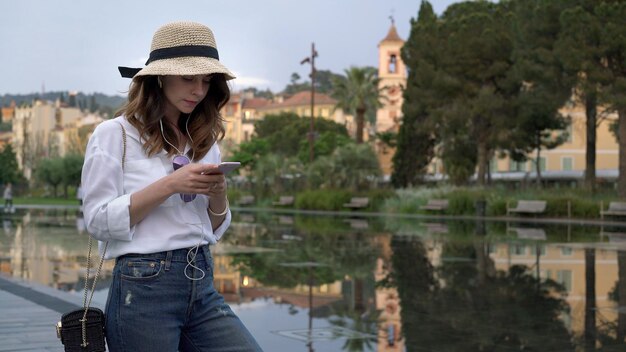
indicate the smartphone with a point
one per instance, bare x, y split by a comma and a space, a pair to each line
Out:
225, 167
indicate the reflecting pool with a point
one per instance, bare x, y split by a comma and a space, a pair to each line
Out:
322, 283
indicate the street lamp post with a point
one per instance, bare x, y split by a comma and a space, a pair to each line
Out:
311, 136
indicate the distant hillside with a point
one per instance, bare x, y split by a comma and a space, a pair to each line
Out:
91, 102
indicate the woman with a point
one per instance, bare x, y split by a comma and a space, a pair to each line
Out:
155, 199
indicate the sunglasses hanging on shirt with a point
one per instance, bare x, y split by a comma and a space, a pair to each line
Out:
180, 159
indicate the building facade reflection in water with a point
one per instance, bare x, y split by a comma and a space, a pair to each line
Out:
50, 248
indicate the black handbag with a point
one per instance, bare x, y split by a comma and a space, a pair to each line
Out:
83, 330
71, 331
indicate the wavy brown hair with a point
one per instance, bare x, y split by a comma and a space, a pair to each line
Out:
146, 106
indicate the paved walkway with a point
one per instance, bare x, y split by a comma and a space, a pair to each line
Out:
28, 315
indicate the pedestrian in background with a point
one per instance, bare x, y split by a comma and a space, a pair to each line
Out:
8, 197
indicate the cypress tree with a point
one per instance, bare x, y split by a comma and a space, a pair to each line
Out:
415, 144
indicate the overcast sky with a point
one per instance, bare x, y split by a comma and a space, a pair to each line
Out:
78, 44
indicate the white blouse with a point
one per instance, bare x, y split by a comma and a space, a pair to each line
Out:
172, 225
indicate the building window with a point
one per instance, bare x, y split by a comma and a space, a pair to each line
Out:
542, 250
567, 163
493, 165
247, 114
324, 112
517, 165
570, 133
564, 277
393, 63
517, 249
542, 164
246, 136
566, 251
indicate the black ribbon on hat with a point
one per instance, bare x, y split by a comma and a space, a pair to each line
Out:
173, 52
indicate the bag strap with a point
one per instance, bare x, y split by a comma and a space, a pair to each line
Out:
86, 303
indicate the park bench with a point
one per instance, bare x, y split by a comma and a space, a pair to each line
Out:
357, 224
246, 200
285, 219
528, 207
615, 209
614, 237
284, 200
357, 203
435, 204
530, 233
436, 228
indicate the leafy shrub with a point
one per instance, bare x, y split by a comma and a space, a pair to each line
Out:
322, 199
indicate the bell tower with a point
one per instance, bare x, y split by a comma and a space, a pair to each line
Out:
393, 75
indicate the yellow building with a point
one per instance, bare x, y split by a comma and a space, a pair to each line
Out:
565, 264
393, 75
250, 110
38, 132
239, 115
8, 112
300, 104
566, 162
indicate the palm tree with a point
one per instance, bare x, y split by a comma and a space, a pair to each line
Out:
357, 93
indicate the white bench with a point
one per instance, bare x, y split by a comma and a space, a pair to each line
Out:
528, 207
615, 209
357, 203
527, 233
436, 204
246, 200
284, 200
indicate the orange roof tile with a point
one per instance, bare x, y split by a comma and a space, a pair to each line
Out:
235, 98
254, 103
392, 36
303, 99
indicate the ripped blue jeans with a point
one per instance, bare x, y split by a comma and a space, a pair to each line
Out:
152, 306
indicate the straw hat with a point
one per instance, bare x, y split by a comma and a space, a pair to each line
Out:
181, 48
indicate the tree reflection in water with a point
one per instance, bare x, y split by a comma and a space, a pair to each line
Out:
465, 305
314, 252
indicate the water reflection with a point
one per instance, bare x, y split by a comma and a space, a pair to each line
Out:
337, 284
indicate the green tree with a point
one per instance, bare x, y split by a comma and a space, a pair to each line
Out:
579, 47
51, 172
476, 85
452, 297
547, 85
275, 174
93, 104
285, 134
324, 144
357, 94
247, 153
324, 81
267, 94
72, 169
416, 139
353, 167
6, 126
295, 77
8, 160
612, 14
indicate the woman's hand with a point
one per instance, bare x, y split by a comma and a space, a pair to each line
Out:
189, 179
198, 179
